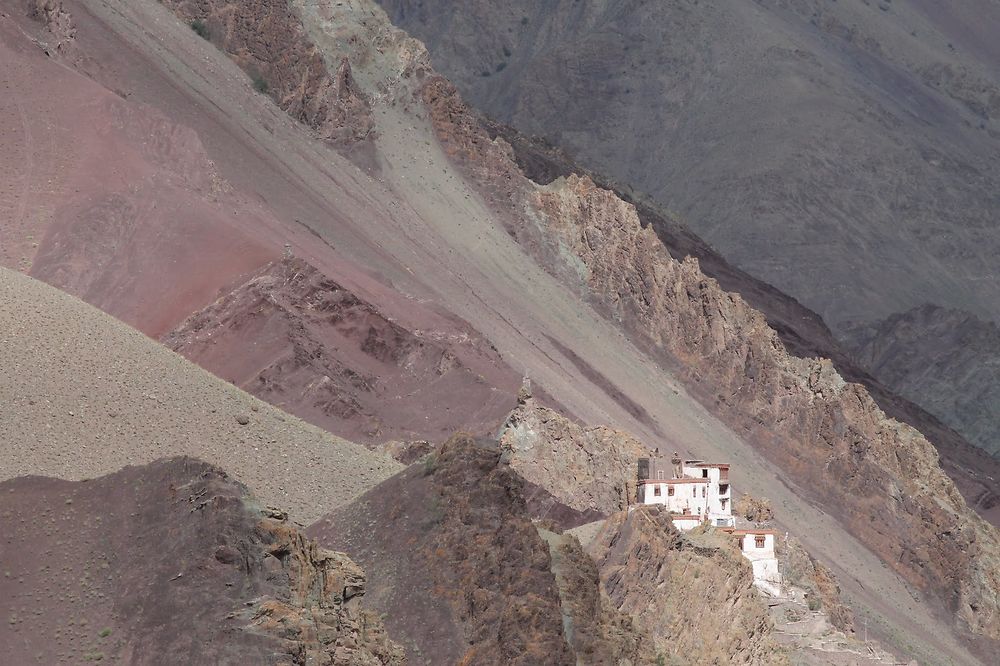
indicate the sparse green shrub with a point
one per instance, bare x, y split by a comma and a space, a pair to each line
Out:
814, 602
260, 85
105, 632
501, 66
430, 464
524, 20
201, 28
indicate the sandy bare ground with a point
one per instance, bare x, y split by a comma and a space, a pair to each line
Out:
83, 394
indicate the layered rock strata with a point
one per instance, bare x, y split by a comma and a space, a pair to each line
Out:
692, 594
268, 41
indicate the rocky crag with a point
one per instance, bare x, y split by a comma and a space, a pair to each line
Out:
585, 468
800, 413
692, 593
232, 582
467, 577
827, 433
268, 41
598, 632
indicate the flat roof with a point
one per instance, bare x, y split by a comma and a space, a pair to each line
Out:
673, 481
746, 532
698, 463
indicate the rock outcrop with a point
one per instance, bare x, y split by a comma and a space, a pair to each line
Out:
829, 434
268, 41
456, 563
313, 347
585, 468
173, 562
692, 594
598, 632
57, 20
320, 621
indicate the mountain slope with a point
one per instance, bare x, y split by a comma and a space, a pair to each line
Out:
494, 249
844, 152
942, 358
172, 562
84, 394
114, 198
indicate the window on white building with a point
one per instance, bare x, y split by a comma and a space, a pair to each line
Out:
656, 490
670, 491
758, 541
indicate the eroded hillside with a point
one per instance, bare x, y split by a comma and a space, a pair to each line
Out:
438, 223
229, 582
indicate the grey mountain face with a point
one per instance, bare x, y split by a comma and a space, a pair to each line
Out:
946, 360
846, 152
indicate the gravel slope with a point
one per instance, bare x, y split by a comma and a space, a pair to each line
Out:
83, 394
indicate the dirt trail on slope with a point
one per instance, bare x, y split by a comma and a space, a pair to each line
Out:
83, 394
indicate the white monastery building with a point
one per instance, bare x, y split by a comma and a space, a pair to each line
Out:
758, 547
694, 490
698, 493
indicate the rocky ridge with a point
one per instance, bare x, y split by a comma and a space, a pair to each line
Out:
233, 582
692, 594
828, 434
586, 468
461, 571
314, 348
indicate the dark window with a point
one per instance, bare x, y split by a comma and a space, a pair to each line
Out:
670, 491
758, 541
656, 491
704, 473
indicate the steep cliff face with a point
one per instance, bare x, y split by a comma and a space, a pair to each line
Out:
947, 360
467, 577
598, 632
586, 468
692, 594
881, 477
268, 41
230, 582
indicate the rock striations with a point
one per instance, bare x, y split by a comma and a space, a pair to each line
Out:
229, 582
693, 594
585, 468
